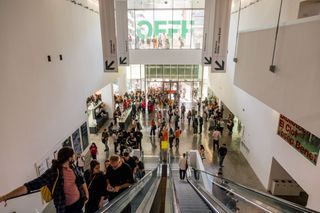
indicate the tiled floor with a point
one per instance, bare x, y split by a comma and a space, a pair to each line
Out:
235, 168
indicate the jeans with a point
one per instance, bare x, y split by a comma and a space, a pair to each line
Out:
215, 143
182, 174
76, 207
221, 159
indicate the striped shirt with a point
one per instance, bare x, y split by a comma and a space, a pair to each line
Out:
70, 187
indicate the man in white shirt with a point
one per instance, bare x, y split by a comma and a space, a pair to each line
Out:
183, 165
216, 135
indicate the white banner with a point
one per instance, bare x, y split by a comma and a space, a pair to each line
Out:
220, 35
208, 33
108, 35
122, 32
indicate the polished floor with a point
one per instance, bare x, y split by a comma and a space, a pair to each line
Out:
235, 168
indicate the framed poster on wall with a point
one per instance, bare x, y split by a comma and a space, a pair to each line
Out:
84, 135
67, 142
76, 142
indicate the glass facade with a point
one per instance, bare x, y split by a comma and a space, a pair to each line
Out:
172, 79
173, 72
165, 24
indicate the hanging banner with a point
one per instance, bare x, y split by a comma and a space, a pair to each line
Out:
122, 32
108, 35
220, 35
208, 33
299, 138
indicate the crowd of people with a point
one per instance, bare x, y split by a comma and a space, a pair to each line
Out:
72, 190
94, 187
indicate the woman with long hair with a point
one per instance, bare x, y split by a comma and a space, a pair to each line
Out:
93, 151
70, 190
95, 182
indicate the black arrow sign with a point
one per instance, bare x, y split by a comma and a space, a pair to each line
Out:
207, 61
108, 66
220, 66
123, 61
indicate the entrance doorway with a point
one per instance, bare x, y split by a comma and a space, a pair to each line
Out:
171, 88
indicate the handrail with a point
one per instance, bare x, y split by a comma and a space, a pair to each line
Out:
126, 192
28, 193
203, 197
257, 192
175, 200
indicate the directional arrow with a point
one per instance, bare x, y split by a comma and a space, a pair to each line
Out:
207, 61
220, 66
123, 61
108, 66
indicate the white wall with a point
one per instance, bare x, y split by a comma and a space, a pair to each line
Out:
260, 120
264, 14
293, 89
41, 102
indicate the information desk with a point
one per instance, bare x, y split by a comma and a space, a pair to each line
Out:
95, 121
124, 120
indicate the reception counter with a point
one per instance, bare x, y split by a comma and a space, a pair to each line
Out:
124, 120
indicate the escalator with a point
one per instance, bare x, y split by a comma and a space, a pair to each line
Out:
188, 199
161, 190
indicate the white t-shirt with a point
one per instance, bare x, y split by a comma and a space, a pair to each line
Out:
183, 163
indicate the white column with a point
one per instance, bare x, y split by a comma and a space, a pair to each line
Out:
107, 98
122, 80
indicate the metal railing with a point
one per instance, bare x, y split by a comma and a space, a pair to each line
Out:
233, 195
127, 197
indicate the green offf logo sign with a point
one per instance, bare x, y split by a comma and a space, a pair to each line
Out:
159, 28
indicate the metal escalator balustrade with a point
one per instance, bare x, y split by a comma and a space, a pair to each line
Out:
188, 199
185, 197
133, 196
238, 198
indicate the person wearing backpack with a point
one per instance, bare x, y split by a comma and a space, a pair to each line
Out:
65, 182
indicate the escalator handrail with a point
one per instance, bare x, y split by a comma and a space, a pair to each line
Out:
126, 192
203, 197
258, 192
175, 200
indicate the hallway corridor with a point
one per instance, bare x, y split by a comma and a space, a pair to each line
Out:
235, 168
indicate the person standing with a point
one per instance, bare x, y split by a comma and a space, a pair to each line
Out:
93, 151
139, 171
153, 128
118, 177
189, 115
104, 139
216, 135
222, 152
183, 165
202, 152
104, 134
177, 136
195, 125
171, 137
129, 160
221, 125
183, 110
70, 191
95, 182
200, 119
138, 134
